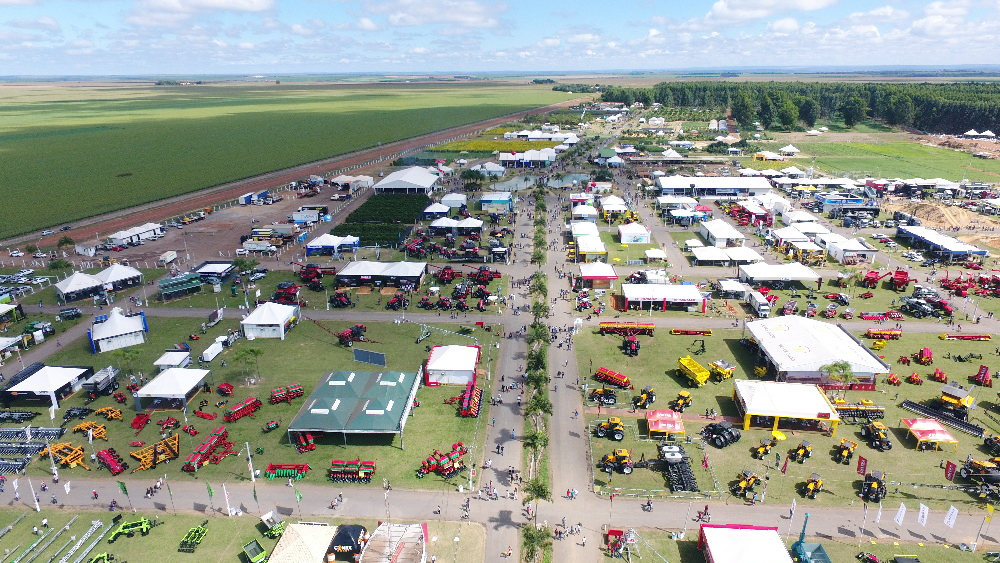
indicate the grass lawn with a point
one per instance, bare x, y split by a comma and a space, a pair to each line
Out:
307, 353
619, 253
905, 159
223, 542
116, 147
656, 365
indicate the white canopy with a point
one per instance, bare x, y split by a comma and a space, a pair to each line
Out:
590, 245
172, 359
676, 200
453, 357
655, 254
270, 313
584, 211
597, 270
785, 400
744, 545
693, 243
633, 233
789, 149
48, 380
972, 133
415, 178
174, 383
792, 171
671, 154
743, 254
808, 228
797, 344
118, 272
678, 293
710, 254
437, 208
583, 228
6, 343
455, 200
78, 282
327, 240
612, 200
777, 272
117, 324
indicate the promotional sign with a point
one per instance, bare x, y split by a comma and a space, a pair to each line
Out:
922, 515
949, 471
900, 514
950, 517
862, 465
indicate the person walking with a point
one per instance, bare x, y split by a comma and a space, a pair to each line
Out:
95, 494
583, 541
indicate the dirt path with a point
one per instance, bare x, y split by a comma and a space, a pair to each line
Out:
159, 210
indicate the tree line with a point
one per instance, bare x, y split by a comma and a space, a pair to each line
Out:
934, 108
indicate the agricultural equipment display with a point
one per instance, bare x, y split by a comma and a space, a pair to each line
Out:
610, 377
356, 471
901, 279
840, 298
354, 334
92, 430
611, 428
446, 465
270, 426
973, 337
764, 448
924, 357
110, 460
340, 300
992, 444
872, 277
254, 552
690, 332
603, 395
160, 452
721, 369
690, 369
286, 470
142, 526
286, 393
17, 417
644, 399
678, 468
620, 460
865, 409
193, 537
743, 487
845, 451
214, 449
720, 434
915, 379
313, 272
630, 345
484, 275
874, 487
286, 293
304, 442
918, 308
246, 407
109, 413
274, 526
982, 377
683, 401
469, 402
66, 454
444, 274
626, 328
884, 333
877, 435
802, 452
813, 486
955, 401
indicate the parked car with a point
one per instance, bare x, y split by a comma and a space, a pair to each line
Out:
16, 254
40, 255
257, 276
48, 232
891, 244
65, 228
70, 313
24, 272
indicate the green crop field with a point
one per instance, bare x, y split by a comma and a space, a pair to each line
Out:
897, 159
110, 148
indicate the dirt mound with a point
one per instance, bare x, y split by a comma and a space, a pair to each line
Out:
940, 216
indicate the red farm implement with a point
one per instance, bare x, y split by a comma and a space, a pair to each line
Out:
139, 422
286, 393
901, 279
214, 449
447, 465
983, 377
872, 277
939, 376
681, 332
974, 337
304, 442
610, 377
110, 459
246, 407
483, 275
626, 329
924, 357
445, 274
225, 389
286, 470
351, 471
884, 333
470, 401
893, 379
915, 379
206, 415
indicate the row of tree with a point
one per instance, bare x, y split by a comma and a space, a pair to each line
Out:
936, 108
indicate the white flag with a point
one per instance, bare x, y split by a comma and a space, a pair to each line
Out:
90, 436
950, 517
14, 484
878, 516
27, 433
900, 514
66, 486
922, 515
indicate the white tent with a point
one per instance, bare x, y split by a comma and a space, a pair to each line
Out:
584, 212
777, 272
653, 254
813, 229
724, 544
78, 286
452, 365
455, 200
598, 270
583, 229
693, 243
174, 384
720, 233
743, 254
327, 244
710, 254
612, 200
789, 150
676, 201
51, 381
119, 276
117, 330
660, 295
415, 179
270, 320
491, 169
436, 208
178, 359
633, 233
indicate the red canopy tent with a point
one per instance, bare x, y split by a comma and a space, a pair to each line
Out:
666, 421
929, 431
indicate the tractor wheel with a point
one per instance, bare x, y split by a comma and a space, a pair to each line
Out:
964, 472
601, 432
609, 467
734, 436
917, 314
618, 435
886, 446
720, 441
627, 469
808, 453
864, 431
350, 343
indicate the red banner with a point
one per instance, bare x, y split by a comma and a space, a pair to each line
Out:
862, 465
704, 462
949, 471
784, 467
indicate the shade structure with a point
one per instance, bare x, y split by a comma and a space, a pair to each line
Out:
655, 254
792, 271
742, 543
633, 233
300, 543
119, 276
117, 330
658, 296
174, 384
270, 320
176, 359
783, 401
391, 274
457, 200
79, 286
452, 365
415, 179
328, 245
597, 271
929, 431
710, 254
665, 421
54, 382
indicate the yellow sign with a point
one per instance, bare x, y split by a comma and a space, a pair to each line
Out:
989, 510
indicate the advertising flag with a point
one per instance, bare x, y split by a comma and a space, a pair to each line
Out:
211, 493
900, 514
122, 486
66, 486
784, 467
951, 517
298, 495
922, 515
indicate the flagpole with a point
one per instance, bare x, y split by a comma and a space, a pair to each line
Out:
229, 509
861, 536
33, 495
169, 493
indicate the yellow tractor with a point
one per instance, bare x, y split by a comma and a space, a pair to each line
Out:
874, 487
845, 451
612, 428
877, 435
644, 399
620, 460
604, 396
683, 401
813, 486
802, 452
748, 480
764, 448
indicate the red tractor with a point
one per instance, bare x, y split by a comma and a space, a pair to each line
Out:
481, 292
287, 293
398, 301
443, 303
354, 334
425, 302
630, 346
484, 275
445, 274
461, 305
339, 300
312, 272
481, 306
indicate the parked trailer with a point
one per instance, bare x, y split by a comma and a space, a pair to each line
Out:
611, 377
245, 199
695, 373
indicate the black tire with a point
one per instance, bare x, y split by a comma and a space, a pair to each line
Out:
618, 435
864, 431
918, 314
601, 432
886, 446
627, 469
964, 473
876, 444
720, 441
609, 467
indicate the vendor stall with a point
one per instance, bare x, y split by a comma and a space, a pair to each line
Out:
54, 382
929, 433
742, 543
177, 359
659, 297
171, 389
664, 422
778, 405
452, 365
597, 275
270, 320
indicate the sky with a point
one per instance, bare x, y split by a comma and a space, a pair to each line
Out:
188, 37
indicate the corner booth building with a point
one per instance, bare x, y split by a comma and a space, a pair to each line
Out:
117, 330
270, 320
658, 297
597, 275
330, 245
452, 365
171, 389
39, 380
796, 406
347, 402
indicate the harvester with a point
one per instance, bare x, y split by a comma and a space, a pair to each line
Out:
992, 444
813, 486
354, 334
874, 487
644, 399
484, 275
612, 428
955, 401
683, 401
877, 435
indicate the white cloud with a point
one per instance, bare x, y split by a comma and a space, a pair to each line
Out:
784, 26
469, 14
172, 13
419, 50
741, 10
583, 38
884, 13
246, 45
17, 2
549, 42
42, 22
366, 24
959, 8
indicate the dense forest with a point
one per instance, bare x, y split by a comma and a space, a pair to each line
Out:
934, 108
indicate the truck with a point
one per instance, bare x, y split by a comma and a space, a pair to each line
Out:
285, 229
262, 234
759, 304
245, 199
104, 382
259, 246
323, 209
304, 217
262, 197
694, 372
166, 258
